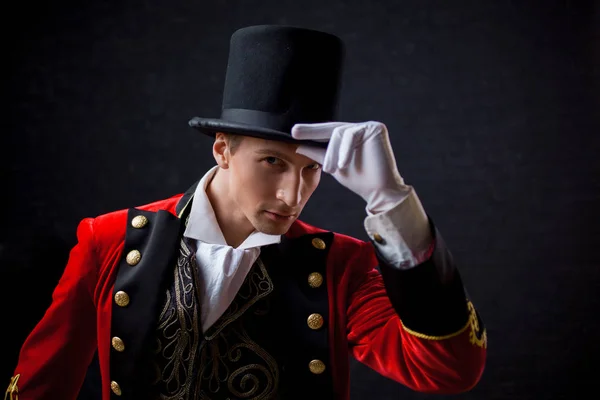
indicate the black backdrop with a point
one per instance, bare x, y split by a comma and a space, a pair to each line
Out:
492, 108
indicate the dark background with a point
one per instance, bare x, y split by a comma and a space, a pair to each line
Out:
493, 109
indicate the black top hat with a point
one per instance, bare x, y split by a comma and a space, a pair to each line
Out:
278, 76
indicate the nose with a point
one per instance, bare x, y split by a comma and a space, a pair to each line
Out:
290, 191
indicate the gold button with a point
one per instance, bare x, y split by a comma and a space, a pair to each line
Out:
378, 238
318, 243
315, 321
121, 298
114, 386
139, 221
315, 280
118, 344
134, 257
316, 366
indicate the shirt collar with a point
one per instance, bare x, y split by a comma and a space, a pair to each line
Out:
202, 223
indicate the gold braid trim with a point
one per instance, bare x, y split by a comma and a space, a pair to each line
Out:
476, 337
184, 208
12, 393
429, 337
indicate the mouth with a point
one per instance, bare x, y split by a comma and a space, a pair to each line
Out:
279, 217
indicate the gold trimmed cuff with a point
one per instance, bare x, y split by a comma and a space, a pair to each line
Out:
429, 337
477, 335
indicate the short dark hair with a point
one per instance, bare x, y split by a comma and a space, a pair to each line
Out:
233, 141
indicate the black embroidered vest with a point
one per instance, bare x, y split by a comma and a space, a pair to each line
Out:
258, 349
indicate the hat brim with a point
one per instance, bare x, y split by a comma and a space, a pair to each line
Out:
210, 127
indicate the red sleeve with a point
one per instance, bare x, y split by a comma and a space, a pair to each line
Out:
446, 364
54, 358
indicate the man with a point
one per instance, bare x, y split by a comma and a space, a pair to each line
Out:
223, 293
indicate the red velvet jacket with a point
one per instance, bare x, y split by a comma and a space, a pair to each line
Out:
437, 345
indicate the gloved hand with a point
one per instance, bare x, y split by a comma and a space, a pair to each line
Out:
360, 157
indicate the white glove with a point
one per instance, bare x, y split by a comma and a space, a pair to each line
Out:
360, 157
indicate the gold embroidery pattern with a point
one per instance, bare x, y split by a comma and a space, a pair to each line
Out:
12, 393
229, 356
257, 285
178, 331
257, 381
227, 363
476, 336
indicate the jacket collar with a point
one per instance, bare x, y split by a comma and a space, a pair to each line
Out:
185, 202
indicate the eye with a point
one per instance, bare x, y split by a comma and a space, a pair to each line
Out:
314, 166
272, 160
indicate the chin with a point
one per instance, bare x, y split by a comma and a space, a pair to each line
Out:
277, 231
272, 228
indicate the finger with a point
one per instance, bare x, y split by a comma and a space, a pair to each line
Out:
351, 138
314, 153
320, 131
333, 151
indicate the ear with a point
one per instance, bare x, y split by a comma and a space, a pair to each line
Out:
221, 150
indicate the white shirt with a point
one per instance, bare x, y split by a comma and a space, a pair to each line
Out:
222, 268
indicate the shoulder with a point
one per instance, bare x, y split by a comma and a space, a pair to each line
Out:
348, 255
167, 204
300, 228
111, 226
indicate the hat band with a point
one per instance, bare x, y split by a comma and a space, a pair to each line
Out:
278, 122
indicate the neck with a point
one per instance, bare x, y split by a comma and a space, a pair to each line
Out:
233, 223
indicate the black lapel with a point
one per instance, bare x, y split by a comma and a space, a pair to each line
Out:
149, 256
292, 265
185, 201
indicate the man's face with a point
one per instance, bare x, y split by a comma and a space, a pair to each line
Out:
269, 183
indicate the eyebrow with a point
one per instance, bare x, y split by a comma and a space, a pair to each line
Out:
270, 152
275, 153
